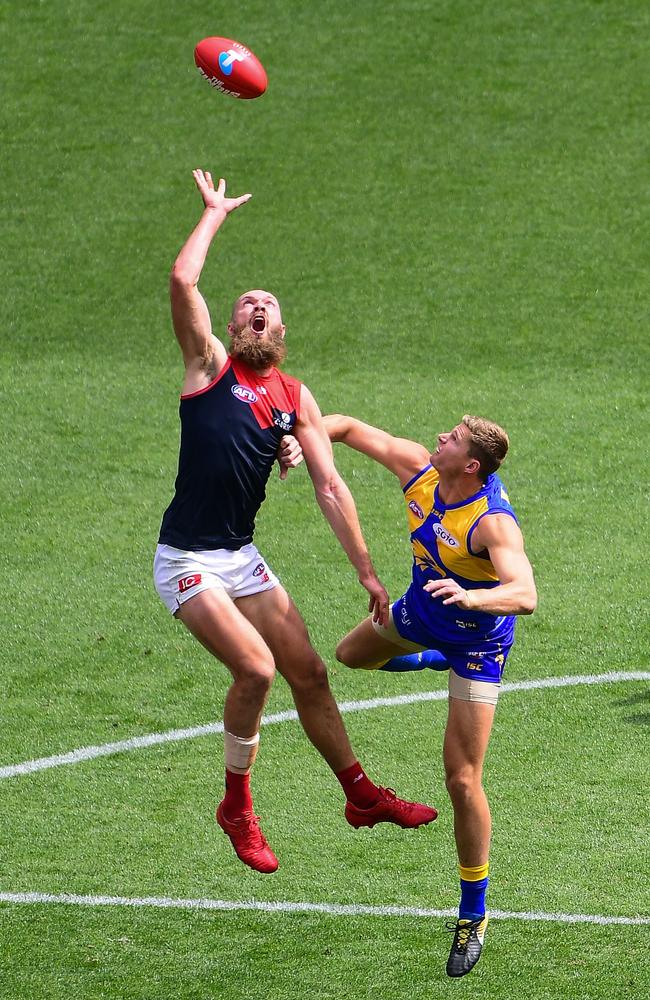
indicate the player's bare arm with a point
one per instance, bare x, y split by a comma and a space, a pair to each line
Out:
402, 457
336, 502
516, 593
204, 355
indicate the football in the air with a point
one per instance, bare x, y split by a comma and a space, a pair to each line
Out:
230, 67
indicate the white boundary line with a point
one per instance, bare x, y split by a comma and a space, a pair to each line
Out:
175, 735
331, 909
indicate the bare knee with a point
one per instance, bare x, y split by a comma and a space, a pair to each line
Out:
253, 680
345, 653
310, 676
340, 652
463, 783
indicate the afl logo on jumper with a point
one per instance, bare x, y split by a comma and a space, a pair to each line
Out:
417, 510
244, 393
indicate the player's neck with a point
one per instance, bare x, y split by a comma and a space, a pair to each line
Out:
454, 489
261, 371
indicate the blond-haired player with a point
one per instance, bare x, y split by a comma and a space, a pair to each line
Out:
471, 577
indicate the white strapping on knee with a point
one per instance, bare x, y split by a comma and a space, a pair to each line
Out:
240, 751
466, 689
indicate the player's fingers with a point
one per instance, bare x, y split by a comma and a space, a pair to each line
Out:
221, 187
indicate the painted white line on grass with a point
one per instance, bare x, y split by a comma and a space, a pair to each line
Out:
175, 735
331, 909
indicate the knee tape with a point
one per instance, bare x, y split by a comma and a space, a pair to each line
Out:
473, 690
240, 751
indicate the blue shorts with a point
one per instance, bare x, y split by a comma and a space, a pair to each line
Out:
476, 659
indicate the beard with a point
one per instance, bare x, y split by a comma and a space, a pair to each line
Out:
257, 353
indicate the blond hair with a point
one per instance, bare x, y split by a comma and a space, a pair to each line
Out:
488, 443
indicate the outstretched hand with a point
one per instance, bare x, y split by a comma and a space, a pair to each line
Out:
216, 198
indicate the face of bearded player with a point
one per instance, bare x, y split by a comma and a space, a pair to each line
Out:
257, 331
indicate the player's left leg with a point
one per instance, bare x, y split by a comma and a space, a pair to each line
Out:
274, 615
371, 646
466, 739
368, 648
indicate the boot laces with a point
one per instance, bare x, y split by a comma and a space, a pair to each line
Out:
463, 932
250, 824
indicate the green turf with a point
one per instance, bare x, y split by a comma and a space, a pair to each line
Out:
450, 202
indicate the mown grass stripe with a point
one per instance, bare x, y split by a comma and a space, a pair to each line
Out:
192, 732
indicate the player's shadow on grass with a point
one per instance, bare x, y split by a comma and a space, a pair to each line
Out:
639, 718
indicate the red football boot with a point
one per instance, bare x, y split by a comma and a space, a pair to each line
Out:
249, 842
390, 809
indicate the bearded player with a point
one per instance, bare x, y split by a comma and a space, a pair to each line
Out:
235, 408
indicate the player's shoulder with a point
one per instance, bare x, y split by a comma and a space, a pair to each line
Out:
423, 473
497, 494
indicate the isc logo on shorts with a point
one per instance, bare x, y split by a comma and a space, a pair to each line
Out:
188, 582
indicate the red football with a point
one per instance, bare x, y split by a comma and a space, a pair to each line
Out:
230, 67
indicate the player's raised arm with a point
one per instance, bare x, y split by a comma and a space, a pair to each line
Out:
203, 354
336, 502
402, 457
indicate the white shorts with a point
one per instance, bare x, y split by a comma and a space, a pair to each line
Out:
179, 575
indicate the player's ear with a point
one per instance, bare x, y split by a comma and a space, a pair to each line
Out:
473, 466
231, 329
283, 330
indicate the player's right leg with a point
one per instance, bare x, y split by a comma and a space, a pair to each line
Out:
471, 712
215, 621
195, 587
213, 618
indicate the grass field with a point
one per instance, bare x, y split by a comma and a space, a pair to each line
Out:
450, 201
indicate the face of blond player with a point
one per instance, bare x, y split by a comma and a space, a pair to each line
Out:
452, 457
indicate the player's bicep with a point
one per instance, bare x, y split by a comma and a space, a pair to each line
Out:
314, 441
501, 536
193, 327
